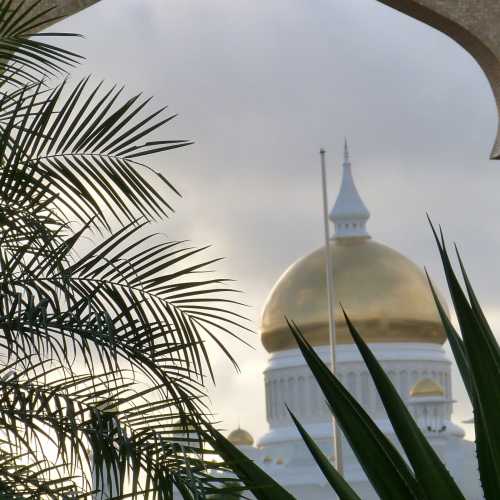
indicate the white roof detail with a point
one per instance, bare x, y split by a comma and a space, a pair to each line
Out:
349, 214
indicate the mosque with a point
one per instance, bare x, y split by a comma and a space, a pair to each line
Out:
389, 301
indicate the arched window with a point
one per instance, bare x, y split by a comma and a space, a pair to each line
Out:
281, 407
447, 385
291, 399
351, 383
301, 386
269, 409
365, 391
274, 399
313, 395
404, 385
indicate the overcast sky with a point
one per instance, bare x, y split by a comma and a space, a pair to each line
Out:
260, 86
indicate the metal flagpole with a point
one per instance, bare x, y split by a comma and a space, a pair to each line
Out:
331, 309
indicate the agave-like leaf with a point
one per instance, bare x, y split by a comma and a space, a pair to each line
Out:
489, 480
478, 359
337, 482
387, 471
456, 343
430, 472
476, 307
262, 486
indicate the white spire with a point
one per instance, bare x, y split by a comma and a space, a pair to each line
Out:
349, 214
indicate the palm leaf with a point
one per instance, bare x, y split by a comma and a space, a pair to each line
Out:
132, 299
124, 325
85, 148
114, 307
124, 429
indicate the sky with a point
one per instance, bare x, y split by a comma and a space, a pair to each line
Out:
260, 87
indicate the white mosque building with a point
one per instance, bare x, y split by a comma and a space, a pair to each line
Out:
389, 301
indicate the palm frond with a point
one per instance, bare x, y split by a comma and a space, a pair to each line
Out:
101, 429
103, 355
133, 297
85, 148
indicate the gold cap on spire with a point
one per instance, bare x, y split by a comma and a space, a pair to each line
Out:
426, 387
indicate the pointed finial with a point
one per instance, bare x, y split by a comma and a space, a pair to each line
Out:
349, 214
346, 151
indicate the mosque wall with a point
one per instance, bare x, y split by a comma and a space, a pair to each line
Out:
289, 383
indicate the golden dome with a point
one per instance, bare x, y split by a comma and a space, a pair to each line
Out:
240, 437
385, 295
426, 387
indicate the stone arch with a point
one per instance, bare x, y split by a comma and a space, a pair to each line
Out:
473, 25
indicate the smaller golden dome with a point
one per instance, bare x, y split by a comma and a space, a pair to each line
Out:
280, 461
426, 387
240, 437
267, 459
